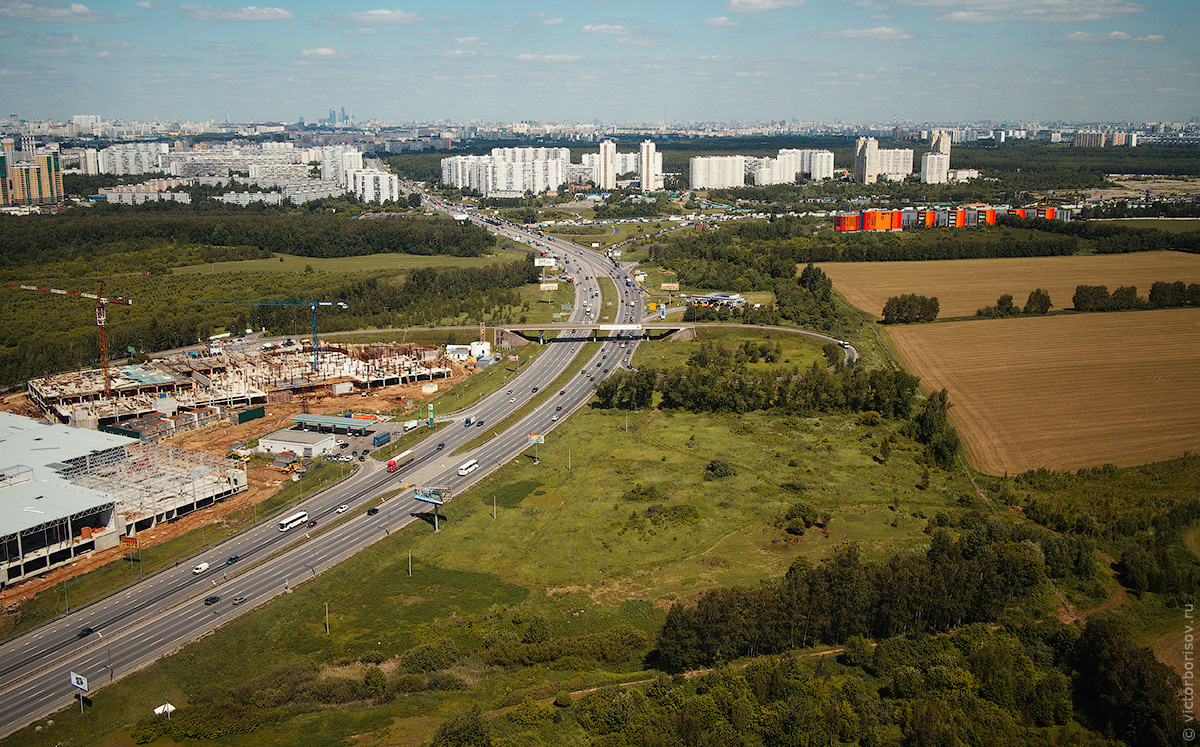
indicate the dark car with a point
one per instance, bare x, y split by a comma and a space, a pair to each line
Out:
209, 601
372, 511
441, 446
233, 559
84, 633
535, 390
312, 523
558, 409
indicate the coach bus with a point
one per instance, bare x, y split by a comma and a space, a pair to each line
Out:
468, 468
293, 521
401, 461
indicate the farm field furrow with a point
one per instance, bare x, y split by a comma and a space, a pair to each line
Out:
964, 285
1065, 392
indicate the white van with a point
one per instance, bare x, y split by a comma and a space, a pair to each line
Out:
200, 569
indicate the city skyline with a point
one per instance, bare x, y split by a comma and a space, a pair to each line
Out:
881, 60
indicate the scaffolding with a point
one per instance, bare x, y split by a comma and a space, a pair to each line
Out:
152, 483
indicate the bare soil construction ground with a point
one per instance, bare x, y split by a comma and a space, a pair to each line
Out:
964, 285
216, 439
1132, 185
1065, 392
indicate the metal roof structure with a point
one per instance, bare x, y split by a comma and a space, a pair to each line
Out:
32, 489
335, 421
288, 436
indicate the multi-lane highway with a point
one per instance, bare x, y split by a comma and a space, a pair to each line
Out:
167, 610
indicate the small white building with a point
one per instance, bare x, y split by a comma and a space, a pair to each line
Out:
469, 352
304, 443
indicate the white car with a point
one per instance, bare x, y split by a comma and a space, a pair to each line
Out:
342, 508
512, 399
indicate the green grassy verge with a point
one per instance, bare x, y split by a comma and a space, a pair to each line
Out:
797, 350
608, 297
109, 578
1173, 225
552, 389
398, 262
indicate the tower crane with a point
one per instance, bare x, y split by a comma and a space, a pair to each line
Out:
101, 319
311, 304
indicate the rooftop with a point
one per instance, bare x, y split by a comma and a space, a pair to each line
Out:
334, 421
297, 437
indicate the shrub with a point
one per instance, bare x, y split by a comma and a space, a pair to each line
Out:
718, 469
563, 699
429, 658
530, 712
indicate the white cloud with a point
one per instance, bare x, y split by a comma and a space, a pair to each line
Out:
150, 4
605, 28
50, 53
637, 41
112, 44
361, 31
321, 53
553, 22
52, 12
720, 22
382, 15
1054, 11
251, 13
459, 53
757, 6
1113, 36
527, 57
470, 41
879, 33
715, 58
54, 40
103, 54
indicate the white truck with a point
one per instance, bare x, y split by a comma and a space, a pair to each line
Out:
200, 568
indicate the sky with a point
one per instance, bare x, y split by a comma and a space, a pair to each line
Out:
643, 61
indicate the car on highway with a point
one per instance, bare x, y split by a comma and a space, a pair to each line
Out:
238, 600
561, 392
84, 633
554, 417
535, 390
558, 409
209, 601
509, 392
591, 378
342, 509
441, 446
512, 399
312, 523
233, 559
372, 511
478, 423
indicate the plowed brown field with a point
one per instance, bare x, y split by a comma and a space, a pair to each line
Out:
1065, 392
964, 285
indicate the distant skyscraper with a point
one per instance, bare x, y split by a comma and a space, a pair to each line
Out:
941, 144
935, 168
866, 151
649, 178
608, 165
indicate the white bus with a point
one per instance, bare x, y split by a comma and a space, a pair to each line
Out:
468, 468
293, 521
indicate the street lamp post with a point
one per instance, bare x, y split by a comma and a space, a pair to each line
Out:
108, 651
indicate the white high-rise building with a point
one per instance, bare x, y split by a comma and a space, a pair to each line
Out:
370, 185
815, 164
871, 162
717, 172
941, 144
651, 177
509, 171
607, 178
133, 158
935, 168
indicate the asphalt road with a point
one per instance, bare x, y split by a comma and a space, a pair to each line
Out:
167, 610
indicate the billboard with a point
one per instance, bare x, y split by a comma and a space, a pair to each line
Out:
514, 357
79, 681
595, 244
669, 286
543, 261
549, 286
130, 542
537, 438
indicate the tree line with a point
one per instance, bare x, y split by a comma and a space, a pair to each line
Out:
1163, 295
908, 308
1110, 237
1037, 303
84, 233
1157, 209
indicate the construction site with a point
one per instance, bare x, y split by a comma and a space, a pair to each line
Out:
201, 386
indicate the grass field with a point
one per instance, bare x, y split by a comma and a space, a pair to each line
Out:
797, 350
398, 262
964, 285
1173, 225
564, 544
1065, 392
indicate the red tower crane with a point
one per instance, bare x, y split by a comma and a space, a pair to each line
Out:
101, 302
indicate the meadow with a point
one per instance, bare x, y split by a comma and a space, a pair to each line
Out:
1064, 392
964, 285
365, 263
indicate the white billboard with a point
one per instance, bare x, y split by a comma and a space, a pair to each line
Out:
543, 261
549, 286
78, 680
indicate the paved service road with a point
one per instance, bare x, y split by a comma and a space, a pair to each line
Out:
167, 610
